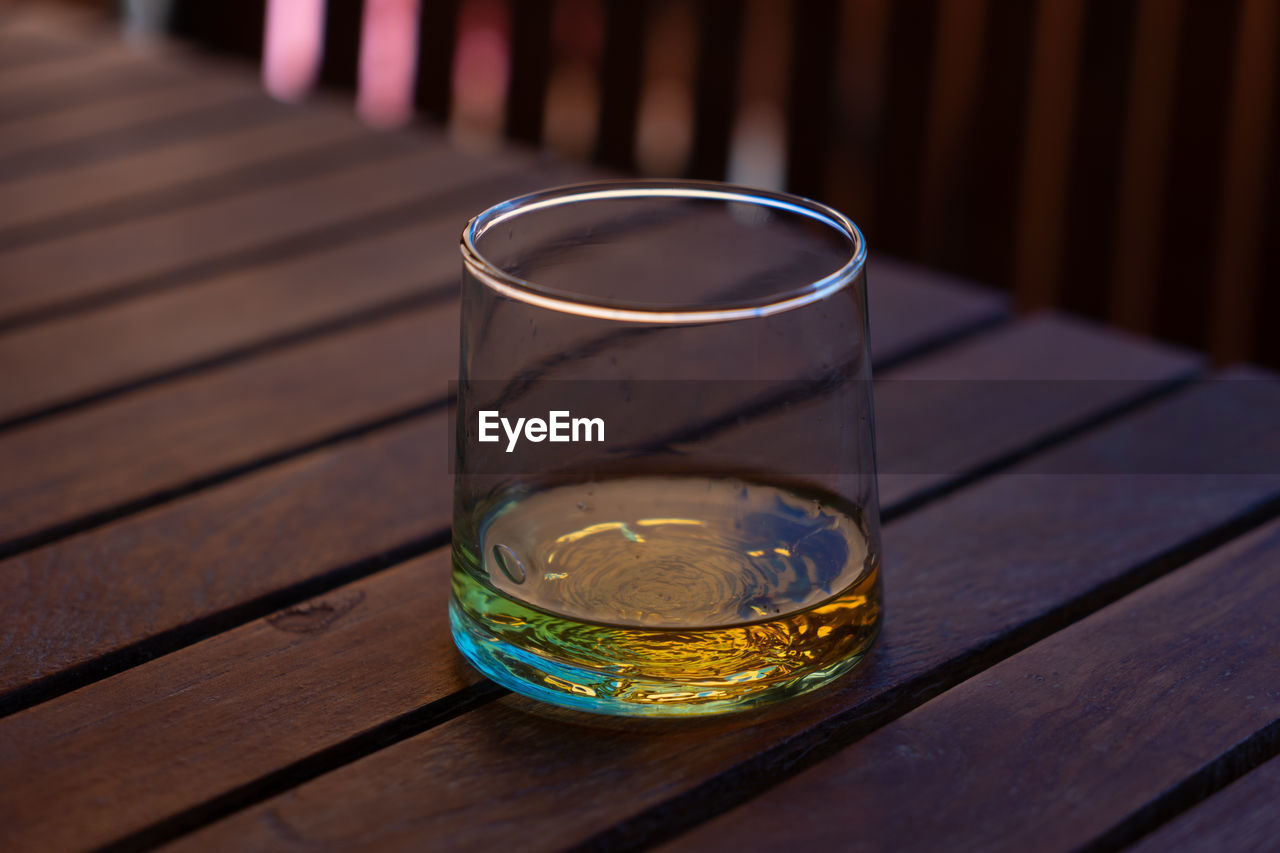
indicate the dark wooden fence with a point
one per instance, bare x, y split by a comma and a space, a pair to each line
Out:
1112, 157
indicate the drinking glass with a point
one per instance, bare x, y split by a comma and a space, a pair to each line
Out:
665, 484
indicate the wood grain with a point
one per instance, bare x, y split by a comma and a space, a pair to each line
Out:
970, 579
96, 77
1242, 816
224, 233
28, 199
151, 799
1080, 730
171, 437
65, 470
944, 417
412, 256
68, 127
326, 513
80, 750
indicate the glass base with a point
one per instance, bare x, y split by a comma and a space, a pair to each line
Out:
604, 691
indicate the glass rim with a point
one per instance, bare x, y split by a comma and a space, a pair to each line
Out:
515, 287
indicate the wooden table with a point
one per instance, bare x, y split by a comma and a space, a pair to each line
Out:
226, 330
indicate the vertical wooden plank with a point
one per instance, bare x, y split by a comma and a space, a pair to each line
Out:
664, 128
341, 43
715, 86
912, 31
621, 75
1194, 172
813, 53
982, 213
1267, 309
1140, 210
232, 26
1083, 273
1051, 110
437, 37
530, 69
1250, 146
859, 99
955, 78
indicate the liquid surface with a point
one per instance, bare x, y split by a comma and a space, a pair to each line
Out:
661, 595
670, 552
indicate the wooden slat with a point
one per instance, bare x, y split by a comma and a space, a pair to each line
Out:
344, 21
150, 799
531, 56
1051, 108
131, 110
1042, 375
982, 204
1149, 102
1242, 816
625, 26
719, 25
1255, 101
344, 639
1195, 170
956, 60
158, 806
18, 50
243, 308
911, 308
339, 510
814, 26
196, 167
82, 67
60, 479
1058, 745
101, 75
970, 579
437, 31
912, 36
235, 312
210, 122
67, 470
859, 71
222, 234
94, 488
990, 400
1090, 226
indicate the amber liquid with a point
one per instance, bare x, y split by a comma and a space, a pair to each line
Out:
666, 595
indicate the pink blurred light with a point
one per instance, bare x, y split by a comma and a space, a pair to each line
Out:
388, 61
292, 47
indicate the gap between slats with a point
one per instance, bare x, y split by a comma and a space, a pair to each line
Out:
267, 786
769, 769
169, 641
761, 773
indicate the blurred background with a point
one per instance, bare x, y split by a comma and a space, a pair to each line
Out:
1114, 158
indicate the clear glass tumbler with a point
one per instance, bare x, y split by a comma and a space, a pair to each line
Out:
665, 484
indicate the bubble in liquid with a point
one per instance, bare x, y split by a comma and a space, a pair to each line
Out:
509, 563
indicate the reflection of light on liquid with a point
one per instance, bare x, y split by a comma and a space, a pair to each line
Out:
654, 522
590, 531
388, 58
292, 47
480, 68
